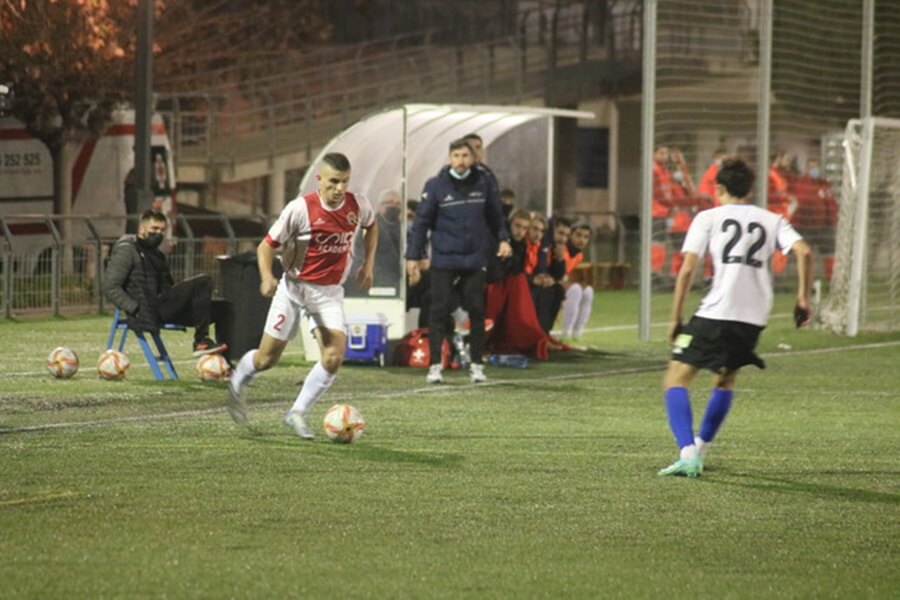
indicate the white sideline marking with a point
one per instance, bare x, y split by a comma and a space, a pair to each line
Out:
430, 389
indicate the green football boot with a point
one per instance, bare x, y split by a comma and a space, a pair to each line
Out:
687, 467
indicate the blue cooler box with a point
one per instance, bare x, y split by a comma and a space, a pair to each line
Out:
366, 337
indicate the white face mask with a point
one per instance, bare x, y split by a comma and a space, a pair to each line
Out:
460, 176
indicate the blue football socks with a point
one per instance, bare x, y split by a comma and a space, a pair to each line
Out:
716, 409
678, 406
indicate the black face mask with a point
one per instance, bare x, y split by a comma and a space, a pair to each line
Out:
152, 241
392, 214
506, 208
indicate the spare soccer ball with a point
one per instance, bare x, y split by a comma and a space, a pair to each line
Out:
212, 367
112, 364
343, 424
62, 363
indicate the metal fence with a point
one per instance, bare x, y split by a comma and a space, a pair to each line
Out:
55, 265
301, 101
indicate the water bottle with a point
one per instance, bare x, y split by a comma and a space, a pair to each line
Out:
517, 361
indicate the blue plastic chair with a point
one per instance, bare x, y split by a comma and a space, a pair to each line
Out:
161, 355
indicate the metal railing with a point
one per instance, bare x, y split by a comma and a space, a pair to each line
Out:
301, 105
55, 265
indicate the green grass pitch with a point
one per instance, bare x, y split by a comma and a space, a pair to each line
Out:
541, 483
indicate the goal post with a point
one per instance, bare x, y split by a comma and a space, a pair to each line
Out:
865, 288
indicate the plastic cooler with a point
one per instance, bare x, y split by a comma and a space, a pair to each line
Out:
366, 337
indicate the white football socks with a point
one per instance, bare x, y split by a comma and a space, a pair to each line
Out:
689, 452
244, 369
314, 387
584, 311
701, 446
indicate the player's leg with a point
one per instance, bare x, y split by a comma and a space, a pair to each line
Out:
280, 328
332, 344
678, 407
716, 409
473, 299
584, 311
324, 308
441, 301
570, 309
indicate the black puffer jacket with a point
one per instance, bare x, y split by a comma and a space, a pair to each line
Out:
135, 277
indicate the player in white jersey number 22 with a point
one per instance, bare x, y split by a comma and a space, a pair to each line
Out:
721, 336
317, 232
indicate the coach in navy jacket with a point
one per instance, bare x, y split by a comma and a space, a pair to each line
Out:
459, 206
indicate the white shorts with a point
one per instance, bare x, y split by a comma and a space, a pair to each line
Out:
323, 305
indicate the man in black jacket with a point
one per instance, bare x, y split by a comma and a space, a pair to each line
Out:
139, 282
460, 206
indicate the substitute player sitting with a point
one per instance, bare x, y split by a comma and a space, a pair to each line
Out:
311, 285
722, 334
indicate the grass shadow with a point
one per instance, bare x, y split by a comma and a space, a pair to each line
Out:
359, 450
823, 490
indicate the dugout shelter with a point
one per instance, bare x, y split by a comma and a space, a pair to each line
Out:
397, 150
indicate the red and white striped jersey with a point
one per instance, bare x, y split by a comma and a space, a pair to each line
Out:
318, 240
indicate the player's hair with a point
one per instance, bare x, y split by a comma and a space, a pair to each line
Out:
153, 215
337, 161
557, 221
582, 225
736, 177
460, 143
507, 193
536, 216
472, 136
519, 213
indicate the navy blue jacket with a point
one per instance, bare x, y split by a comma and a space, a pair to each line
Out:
460, 214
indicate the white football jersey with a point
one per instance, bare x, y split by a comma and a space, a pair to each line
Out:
741, 239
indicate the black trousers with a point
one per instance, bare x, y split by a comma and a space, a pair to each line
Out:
470, 286
547, 301
189, 303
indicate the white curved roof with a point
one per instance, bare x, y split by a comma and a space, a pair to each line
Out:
377, 147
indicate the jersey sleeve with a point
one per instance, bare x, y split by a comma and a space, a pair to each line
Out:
697, 239
786, 236
366, 213
292, 222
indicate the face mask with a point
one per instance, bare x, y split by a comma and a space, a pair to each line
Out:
152, 241
392, 214
815, 173
460, 176
506, 208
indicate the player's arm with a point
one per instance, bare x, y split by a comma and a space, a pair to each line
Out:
265, 255
802, 312
370, 244
415, 244
683, 283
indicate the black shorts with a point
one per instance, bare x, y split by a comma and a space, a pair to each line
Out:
718, 345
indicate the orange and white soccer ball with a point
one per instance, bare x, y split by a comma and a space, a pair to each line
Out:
112, 364
213, 367
62, 363
343, 424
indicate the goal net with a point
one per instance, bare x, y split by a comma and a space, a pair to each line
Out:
865, 288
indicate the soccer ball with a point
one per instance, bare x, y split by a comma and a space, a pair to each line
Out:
343, 424
112, 364
212, 367
62, 363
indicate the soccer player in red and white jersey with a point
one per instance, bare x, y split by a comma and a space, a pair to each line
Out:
722, 335
316, 231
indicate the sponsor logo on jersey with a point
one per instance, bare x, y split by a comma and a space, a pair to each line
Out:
352, 218
448, 198
332, 243
319, 221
